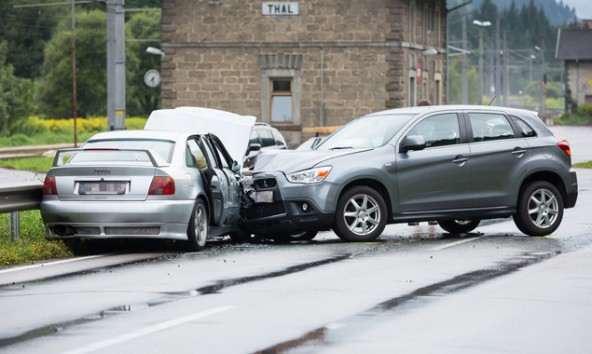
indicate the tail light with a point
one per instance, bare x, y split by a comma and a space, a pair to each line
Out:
49, 186
162, 185
564, 145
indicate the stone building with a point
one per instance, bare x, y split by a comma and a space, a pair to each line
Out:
575, 49
302, 63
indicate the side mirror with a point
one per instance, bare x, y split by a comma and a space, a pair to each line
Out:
413, 143
253, 147
235, 167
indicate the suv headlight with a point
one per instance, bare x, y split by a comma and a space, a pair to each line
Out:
313, 175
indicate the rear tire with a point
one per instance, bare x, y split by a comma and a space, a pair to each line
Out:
459, 226
361, 215
540, 209
197, 232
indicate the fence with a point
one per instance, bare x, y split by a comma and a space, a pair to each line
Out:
18, 197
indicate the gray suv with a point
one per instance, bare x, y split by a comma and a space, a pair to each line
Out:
456, 165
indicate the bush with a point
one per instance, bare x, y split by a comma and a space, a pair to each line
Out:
585, 110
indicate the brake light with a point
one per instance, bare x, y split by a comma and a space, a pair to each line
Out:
162, 185
49, 186
564, 145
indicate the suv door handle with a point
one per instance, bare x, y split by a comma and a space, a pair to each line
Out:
519, 152
460, 160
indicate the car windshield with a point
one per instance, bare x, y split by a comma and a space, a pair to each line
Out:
164, 148
366, 132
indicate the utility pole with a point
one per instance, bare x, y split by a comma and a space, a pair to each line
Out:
465, 84
116, 64
506, 70
74, 99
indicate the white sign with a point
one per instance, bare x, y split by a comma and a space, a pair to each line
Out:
277, 8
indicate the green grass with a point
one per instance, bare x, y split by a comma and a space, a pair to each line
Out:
31, 246
583, 164
36, 164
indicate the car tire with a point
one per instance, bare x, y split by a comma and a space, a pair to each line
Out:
197, 232
296, 236
361, 215
459, 226
540, 209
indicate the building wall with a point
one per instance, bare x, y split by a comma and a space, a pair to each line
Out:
579, 79
346, 57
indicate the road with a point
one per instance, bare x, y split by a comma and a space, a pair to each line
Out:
417, 290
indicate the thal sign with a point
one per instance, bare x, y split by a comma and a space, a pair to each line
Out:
280, 9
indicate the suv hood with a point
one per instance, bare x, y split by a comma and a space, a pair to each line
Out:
233, 130
289, 161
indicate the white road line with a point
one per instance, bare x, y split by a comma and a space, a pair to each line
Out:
146, 331
439, 248
49, 263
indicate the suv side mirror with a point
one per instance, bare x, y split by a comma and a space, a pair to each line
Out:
413, 143
253, 147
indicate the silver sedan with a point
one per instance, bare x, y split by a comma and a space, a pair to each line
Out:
145, 184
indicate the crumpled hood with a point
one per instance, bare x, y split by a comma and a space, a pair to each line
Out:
233, 130
289, 161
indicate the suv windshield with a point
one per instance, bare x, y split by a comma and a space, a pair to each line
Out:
366, 132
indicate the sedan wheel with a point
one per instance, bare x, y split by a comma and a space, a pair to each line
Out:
361, 215
540, 209
461, 226
198, 226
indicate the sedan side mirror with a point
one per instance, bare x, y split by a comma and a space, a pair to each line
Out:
413, 143
235, 167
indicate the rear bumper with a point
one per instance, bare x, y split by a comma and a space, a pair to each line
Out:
157, 219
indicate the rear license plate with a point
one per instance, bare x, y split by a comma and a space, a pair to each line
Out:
111, 187
264, 197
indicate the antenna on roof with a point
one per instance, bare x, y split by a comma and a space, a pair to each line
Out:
493, 99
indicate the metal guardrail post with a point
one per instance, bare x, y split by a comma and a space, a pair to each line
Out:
14, 225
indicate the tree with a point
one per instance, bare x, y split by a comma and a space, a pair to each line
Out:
16, 95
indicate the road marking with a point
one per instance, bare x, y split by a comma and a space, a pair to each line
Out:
49, 263
148, 330
439, 248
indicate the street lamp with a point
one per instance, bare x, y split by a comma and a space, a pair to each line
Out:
155, 51
481, 24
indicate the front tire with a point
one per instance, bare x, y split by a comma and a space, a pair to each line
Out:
361, 215
540, 209
459, 226
197, 232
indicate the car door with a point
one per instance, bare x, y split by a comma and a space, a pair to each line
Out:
437, 177
232, 201
217, 185
499, 158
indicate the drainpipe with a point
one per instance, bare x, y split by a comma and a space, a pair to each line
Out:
322, 103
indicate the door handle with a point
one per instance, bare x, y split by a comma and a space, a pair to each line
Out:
519, 152
460, 160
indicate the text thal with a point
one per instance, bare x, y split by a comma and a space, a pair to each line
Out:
280, 9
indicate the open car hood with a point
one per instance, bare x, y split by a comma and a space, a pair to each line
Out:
233, 130
289, 161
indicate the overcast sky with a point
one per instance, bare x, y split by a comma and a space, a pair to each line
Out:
583, 8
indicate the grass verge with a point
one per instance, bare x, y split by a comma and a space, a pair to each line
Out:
35, 164
587, 164
31, 246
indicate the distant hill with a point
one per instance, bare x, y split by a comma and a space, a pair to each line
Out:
558, 13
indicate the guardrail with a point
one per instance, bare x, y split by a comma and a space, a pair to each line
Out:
18, 197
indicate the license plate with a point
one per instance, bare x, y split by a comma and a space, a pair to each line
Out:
264, 197
90, 188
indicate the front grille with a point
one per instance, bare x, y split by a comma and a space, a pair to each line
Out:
150, 231
265, 183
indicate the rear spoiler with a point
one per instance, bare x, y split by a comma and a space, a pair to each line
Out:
155, 158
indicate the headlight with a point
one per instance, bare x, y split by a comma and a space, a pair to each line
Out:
309, 176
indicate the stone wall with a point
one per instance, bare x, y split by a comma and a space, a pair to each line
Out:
355, 56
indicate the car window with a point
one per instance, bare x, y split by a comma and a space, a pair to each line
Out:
279, 139
490, 126
218, 150
164, 148
525, 130
196, 156
438, 130
254, 139
266, 137
366, 132
212, 159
